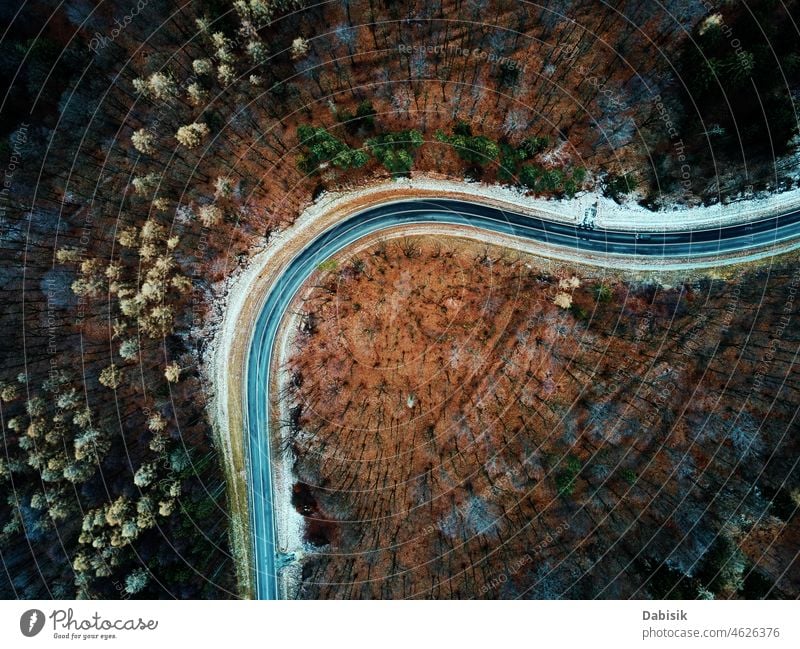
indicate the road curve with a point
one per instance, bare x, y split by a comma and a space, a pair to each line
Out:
714, 246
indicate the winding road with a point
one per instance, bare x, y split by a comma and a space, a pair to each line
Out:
715, 246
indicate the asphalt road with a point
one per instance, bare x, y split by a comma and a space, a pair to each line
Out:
688, 245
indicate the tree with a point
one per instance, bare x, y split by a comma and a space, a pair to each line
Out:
111, 377
172, 372
618, 185
202, 67
158, 322
532, 146
145, 475
68, 255
161, 85
192, 135
223, 47
196, 93
157, 423
226, 74
143, 141
257, 52
322, 147
144, 184
299, 47
209, 215
114, 513
129, 349
475, 149
128, 237
91, 444
364, 117
395, 151
8, 392
223, 187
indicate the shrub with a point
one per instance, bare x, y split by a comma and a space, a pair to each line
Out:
532, 146
602, 293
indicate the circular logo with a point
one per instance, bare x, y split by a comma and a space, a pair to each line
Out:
31, 622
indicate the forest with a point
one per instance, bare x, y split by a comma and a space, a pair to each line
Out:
469, 422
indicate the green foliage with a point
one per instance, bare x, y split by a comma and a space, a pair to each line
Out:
364, 118
529, 176
321, 147
578, 312
628, 475
532, 146
565, 480
474, 149
551, 181
395, 151
480, 150
511, 157
327, 265
723, 567
619, 185
534, 176
602, 293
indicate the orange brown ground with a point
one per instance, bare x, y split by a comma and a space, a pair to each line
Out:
458, 434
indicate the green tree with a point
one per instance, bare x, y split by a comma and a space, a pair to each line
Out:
320, 147
395, 151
